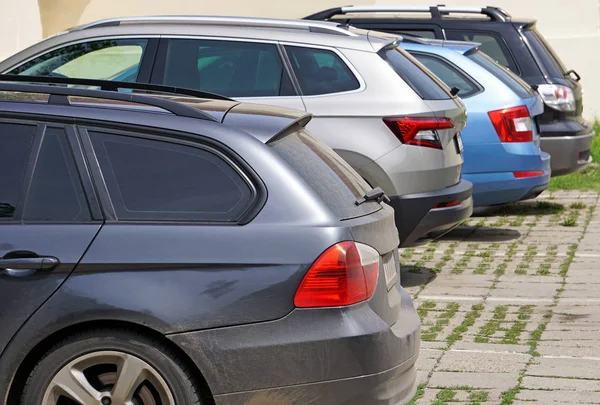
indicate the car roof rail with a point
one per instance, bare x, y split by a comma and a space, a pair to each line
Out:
437, 11
313, 26
109, 90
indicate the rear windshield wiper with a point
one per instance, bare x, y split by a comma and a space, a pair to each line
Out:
377, 194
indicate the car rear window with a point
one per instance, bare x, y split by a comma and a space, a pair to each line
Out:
514, 82
545, 53
449, 74
417, 76
332, 179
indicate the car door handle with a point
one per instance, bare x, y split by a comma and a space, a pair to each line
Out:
27, 265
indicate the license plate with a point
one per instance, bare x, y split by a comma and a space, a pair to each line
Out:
391, 270
459, 143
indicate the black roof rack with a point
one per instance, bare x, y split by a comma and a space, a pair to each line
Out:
109, 90
437, 12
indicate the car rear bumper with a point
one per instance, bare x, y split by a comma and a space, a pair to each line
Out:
330, 356
416, 217
502, 187
569, 153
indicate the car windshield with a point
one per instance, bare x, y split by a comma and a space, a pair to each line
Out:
514, 82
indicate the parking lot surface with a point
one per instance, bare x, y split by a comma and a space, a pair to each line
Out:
510, 305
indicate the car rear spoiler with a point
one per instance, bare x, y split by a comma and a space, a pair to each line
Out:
266, 123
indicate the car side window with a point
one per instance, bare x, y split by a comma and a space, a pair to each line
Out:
449, 74
491, 44
16, 141
56, 193
229, 68
107, 59
150, 180
320, 71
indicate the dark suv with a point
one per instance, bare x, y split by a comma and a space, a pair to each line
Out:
515, 44
153, 253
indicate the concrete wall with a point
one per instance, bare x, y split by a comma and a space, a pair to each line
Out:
572, 27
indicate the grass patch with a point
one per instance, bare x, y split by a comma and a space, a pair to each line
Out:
500, 270
535, 337
419, 394
578, 206
478, 396
587, 179
424, 308
508, 397
466, 323
446, 395
513, 334
539, 208
564, 267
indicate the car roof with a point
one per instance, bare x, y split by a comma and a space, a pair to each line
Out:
298, 31
160, 110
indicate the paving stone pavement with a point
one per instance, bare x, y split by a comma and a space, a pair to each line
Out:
510, 305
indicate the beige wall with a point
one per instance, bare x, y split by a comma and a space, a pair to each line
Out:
572, 27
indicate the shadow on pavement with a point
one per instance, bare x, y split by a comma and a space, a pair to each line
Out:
414, 276
524, 208
480, 234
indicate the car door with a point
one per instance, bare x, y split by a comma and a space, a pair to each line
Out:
177, 246
46, 219
244, 70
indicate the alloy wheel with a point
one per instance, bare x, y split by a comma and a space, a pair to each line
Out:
108, 378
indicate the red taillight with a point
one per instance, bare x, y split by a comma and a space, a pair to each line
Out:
522, 175
344, 274
513, 124
418, 131
453, 203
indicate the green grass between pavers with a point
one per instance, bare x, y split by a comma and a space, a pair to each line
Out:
587, 179
419, 394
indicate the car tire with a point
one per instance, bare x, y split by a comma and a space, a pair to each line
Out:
168, 382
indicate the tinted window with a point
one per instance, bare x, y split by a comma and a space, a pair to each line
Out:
419, 33
234, 69
336, 183
320, 71
152, 180
514, 82
493, 45
545, 53
110, 59
449, 74
15, 148
56, 193
421, 80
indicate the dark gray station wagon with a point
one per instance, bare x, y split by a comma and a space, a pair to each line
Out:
161, 250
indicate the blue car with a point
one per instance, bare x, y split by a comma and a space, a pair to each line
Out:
502, 156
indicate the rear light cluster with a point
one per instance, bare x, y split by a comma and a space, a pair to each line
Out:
418, 131
344, 274
556, 96
513, 124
